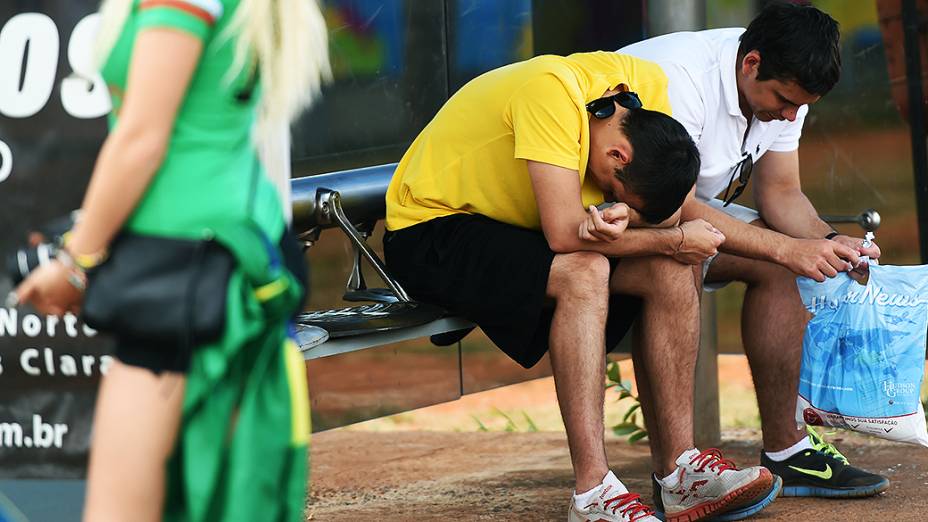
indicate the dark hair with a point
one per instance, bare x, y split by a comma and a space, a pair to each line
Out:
664, 166
796, 43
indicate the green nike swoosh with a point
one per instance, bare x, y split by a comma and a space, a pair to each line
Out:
814, 472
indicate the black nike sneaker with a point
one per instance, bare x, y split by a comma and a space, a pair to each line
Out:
823, 472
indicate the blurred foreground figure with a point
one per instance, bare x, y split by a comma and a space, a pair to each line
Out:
205, 415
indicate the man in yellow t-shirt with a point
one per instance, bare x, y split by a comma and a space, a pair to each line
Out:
492, 213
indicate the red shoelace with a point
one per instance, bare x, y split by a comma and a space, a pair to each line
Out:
712, 458
629, 506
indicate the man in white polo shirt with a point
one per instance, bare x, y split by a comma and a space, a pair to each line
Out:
743, 95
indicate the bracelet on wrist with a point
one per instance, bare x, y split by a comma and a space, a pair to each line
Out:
832, 234
78, 280
76, 275
682, 240
83, 261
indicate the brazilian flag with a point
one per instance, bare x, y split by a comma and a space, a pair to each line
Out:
242, 452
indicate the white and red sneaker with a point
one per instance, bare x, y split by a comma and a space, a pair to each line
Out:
706, 485
611, 502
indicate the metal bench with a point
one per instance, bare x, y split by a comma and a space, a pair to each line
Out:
353, 201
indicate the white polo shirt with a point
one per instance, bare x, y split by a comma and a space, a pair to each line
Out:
700, 67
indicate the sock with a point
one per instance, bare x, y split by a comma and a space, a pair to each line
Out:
583, 499
780, 456
586, 498
672, 478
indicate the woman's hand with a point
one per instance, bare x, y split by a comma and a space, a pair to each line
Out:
50, 291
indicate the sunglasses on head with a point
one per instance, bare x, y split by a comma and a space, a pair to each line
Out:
603, 108
743, 169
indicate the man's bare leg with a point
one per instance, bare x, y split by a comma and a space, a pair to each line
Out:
772, 324
665, 358
646, 399
579, 282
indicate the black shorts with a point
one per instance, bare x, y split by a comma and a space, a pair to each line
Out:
493, 274
154, 357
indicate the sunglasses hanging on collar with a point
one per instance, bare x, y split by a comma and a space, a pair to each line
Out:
743, 169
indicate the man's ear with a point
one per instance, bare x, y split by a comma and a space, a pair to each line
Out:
620, 155
750, 62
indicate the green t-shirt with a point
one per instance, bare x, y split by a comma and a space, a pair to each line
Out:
209, 170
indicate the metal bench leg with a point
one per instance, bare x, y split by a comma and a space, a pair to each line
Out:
706, 420
331, 208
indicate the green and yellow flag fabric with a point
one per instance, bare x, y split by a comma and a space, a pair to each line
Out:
242, 452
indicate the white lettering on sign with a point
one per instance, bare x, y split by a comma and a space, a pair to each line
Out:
44, 434
6, 161
29, 51
27, 78
83, 93
88, 331
31, 325
70, 323
8, 322
25, 361
36, 362
29, 48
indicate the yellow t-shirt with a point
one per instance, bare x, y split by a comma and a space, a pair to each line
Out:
471, 158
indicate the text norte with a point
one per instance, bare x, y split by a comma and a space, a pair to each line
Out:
32, 325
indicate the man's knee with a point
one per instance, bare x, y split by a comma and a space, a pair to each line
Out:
769, 275
579, 272
668, 276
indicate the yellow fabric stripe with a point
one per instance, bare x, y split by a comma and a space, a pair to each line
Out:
272, 289
299, 394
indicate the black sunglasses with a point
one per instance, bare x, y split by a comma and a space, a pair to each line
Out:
602, 108
743, 168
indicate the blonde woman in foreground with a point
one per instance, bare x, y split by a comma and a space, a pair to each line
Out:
214, 430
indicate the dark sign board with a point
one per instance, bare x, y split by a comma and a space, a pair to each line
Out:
52, 109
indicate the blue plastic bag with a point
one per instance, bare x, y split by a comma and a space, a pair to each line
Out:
863, 353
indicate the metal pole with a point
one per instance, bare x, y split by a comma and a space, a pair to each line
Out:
913, 73
668, 16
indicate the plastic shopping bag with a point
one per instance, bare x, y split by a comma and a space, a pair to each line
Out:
863, 353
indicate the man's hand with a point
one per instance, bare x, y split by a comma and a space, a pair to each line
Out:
872, 251
820, 258
699, 241
607, 225
861, 271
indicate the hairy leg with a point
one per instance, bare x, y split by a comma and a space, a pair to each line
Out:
665, 354
772, 324
578, 282
646, 398
134, 430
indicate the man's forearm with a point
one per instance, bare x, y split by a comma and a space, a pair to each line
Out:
742, 239
790, 212
635, 242
638, 242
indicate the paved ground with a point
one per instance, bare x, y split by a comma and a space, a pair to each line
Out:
418, 476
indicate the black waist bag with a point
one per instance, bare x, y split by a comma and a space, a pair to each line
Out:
160, 290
